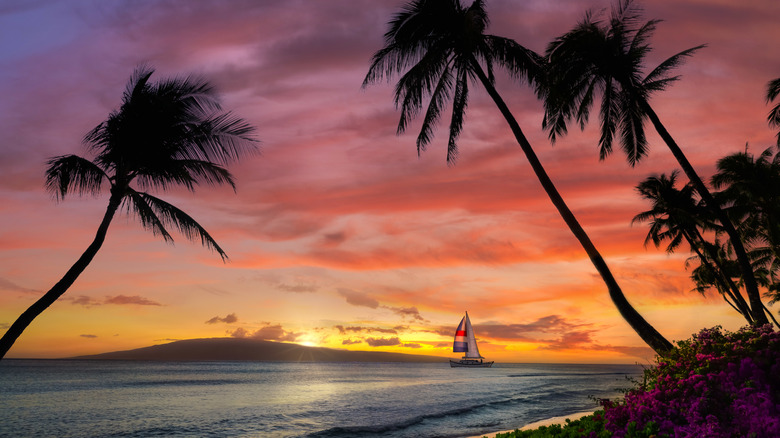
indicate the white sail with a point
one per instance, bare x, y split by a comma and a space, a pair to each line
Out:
472, 351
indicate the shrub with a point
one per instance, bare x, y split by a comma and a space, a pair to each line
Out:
717, 384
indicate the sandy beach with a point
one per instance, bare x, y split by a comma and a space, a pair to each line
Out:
536, 424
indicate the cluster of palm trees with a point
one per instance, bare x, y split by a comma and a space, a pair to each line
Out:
438, 47
749, 191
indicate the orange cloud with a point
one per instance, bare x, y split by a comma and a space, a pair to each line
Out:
135, 300
269, 332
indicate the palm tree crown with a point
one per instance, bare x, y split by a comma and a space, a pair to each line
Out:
675, 215
437, 47
606, 57
168, 133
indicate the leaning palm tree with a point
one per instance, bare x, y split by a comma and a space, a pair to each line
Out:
608, 57
772, 91
438, 47
169, 133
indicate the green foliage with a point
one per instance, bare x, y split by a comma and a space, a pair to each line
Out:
591, 426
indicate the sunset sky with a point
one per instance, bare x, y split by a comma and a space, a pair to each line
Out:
339, 235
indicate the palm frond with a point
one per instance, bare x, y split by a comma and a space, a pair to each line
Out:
136, 202
773, 90
138, 83
156, 214
419, 82
459, 103
586, 102
625, 13
610, 111
411, 33
657, 80
519, 62
631, 128
439, 98
187, 173
640, 42
220, 138
71, 173
193, 92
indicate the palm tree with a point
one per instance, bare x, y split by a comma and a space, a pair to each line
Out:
165, 134
438, 47
751, 191
676, 216
772, 91
608, 57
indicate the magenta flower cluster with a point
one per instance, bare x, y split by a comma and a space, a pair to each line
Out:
717, 384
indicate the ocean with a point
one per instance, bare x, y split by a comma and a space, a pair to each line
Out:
91, 398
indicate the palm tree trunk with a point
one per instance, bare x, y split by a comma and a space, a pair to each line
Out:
736, 294
751, 287
24, 320
727, 287
771, 316
645, 331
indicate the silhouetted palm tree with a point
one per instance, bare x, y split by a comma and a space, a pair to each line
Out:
438, 46
751, 191
608, 58
772, 91
676, 216
165, 134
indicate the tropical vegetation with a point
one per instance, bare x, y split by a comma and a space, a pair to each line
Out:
165, 134
715, 384
749, 191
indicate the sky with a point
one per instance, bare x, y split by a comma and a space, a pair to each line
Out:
339, 234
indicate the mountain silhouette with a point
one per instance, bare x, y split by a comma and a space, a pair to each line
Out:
227, 349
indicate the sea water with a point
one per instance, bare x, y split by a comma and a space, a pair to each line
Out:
83, 398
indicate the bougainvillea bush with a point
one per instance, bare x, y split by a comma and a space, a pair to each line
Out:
717, 384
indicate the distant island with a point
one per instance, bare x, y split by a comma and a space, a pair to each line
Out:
228, 349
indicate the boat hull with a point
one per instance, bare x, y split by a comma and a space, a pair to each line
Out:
465, 363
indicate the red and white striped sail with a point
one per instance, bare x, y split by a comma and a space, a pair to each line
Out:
465, 341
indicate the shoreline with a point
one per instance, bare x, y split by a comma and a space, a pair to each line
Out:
537, 424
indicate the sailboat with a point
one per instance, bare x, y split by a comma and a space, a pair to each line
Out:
465, 342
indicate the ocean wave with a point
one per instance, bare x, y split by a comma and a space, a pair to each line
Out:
393, 428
